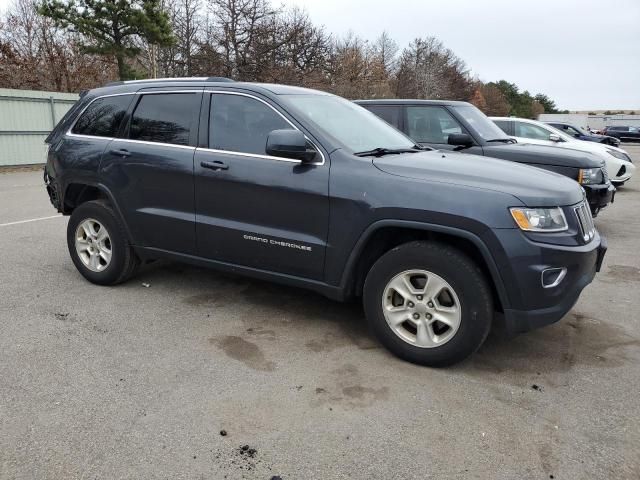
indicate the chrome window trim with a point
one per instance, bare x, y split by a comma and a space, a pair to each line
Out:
257, 155
162, 144
70, 133
225, 152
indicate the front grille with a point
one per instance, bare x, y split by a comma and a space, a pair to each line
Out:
585, 220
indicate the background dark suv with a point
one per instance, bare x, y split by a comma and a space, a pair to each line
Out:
452, 125
624, 134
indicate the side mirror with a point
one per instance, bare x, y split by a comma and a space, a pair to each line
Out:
460, 139
554, 137
289, 144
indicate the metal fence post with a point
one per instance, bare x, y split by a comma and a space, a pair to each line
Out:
52, 105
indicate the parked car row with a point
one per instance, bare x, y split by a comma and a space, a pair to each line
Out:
311, 190
618, 162
580, 133
460, 126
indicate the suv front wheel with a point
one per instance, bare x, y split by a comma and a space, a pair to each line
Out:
428, 303
98, 244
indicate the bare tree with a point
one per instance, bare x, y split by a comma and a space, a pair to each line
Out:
249, 40
429, 70
496, 103
35, 54
386, 50
237, 26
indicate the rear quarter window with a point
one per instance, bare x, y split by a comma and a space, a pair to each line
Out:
102, 117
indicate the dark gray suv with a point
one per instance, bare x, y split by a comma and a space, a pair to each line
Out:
310, 190
460, 126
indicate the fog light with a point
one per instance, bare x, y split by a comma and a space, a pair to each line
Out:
551, 277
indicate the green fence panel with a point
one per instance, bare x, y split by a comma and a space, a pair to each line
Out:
26, 117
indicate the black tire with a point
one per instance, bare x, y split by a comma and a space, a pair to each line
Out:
462, 274
124, 261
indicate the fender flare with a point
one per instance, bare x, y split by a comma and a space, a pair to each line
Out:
107, 192
457, 232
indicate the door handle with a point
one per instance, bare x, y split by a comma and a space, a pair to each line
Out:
215, 165
121, 153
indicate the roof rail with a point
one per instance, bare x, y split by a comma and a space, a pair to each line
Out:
173, 79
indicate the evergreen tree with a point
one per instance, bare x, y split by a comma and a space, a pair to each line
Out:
112, 27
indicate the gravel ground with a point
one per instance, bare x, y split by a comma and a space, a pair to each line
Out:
138, 382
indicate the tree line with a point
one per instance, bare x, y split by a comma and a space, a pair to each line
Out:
75, 45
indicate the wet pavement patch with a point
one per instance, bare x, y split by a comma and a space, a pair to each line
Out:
244, 351
625, 273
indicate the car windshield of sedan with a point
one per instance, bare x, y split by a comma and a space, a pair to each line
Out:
351, 125
481, 123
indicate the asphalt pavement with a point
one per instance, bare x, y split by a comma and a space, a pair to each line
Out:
138, 381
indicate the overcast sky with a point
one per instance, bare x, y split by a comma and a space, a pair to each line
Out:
584, 54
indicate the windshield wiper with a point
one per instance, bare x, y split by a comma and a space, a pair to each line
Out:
504, 140
380, 151
422, 147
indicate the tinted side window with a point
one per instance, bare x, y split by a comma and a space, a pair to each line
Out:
527, 130
242, 124
431, 124
103, 116
164, 117
503, 125
389, 113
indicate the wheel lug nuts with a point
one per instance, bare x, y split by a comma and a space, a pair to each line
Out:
411, 305
430, 304
419, 297
416, 316
428, 316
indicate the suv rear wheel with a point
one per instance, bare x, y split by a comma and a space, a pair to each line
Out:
428, 303
98, 244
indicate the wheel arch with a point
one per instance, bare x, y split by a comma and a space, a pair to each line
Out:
78, 192
384, 235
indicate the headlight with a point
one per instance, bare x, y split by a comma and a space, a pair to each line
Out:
619, 155
589, 176
539, 219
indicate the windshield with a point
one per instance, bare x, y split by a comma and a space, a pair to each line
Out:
481, 123
351, 125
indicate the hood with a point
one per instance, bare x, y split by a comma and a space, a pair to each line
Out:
598, 136
596, 148
532, 186
543, 155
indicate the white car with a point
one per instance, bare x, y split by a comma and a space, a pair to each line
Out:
618, 163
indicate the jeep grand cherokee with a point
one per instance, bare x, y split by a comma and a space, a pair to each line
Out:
308, 189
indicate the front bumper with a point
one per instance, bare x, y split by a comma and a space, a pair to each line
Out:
624, 173
532, 305
599, 196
